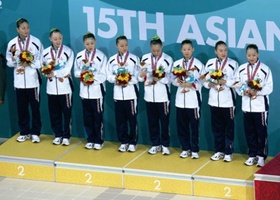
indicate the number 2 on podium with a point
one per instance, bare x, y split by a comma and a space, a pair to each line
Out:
21, 171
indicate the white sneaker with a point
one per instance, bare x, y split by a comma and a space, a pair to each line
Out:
28, 136
97, 146
228, 158
65, 142
217, 156
89, 145
251, 161
165, 150
195, 155
132, 148
57, 141
260, 162
184, 154
154, 149
123, 148
35, 138
22, 138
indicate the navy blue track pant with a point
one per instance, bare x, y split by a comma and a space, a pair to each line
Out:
26, 97
255, 126
188, 119
223, 128
158, 122
126, 113
93, 120
60, 111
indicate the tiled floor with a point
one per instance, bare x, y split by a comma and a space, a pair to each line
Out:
11, 189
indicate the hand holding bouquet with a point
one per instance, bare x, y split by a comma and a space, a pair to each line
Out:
179, 72
214, 77
254, 85
26, 58
158, 74
47, 69
123, 77
87, 77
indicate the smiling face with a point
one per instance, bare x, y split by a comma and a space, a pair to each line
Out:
23, 30
56, 39
89, 44
221, 51
252, 55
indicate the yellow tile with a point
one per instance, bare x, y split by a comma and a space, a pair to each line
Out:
107, 156
169, 163
88, 177
158, 184
44, 150
232, 170
27, 171
223, 190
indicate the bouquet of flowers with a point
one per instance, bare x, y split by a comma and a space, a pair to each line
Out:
215, 75
26, 58
87, 77
179, 72
48, 68
254, 84
123, 76
159, 72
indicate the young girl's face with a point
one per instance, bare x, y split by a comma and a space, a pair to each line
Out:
89, 44
187, 50
156, 49
252, 55
221, 51
122, 46
56, 39
23, 30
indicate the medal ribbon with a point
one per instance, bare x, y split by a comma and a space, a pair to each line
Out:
125, 59
59, 53
27, 43
92, 56
223, 66
190, 65
154, 64
254, 72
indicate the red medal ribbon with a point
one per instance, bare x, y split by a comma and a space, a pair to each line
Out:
92, 56
125, 59
223, 66
190, 65
26, 46
254, 72
59, 53
154, 64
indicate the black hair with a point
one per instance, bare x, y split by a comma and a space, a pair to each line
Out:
252, 46
186, 41
54, 30
122, 37
88, 35
20, 21
219, 43
156, 40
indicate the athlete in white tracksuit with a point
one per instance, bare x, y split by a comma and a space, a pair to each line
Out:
92, 95
255, 105
59, 87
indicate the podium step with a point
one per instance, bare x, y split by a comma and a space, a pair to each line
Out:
130, 170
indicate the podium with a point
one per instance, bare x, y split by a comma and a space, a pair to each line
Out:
129, 170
